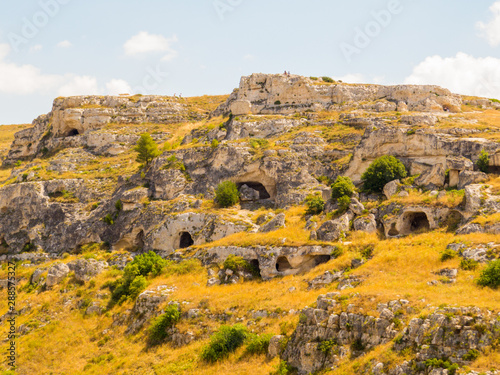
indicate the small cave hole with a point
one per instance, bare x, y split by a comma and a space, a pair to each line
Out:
320, 259
72, 133
282, 264
254, 263
186, 240
416, 222
261, 189
139, 240
393, 231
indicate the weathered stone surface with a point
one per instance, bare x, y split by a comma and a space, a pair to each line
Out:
277, 222
466, 178
365, 224
56, 274
329, 231
85, 269
274, 348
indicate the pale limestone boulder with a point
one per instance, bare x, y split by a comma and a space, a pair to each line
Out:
391, 188
365, 224
241, 107
470, 177
56, 274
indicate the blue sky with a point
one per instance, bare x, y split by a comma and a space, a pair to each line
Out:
51, 48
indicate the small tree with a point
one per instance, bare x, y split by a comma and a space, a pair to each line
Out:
315, 204
383, 170
227, 194
147, 149
490, 276
483, 162
341, 187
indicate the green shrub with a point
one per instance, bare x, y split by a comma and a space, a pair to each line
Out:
119, 205
237, 263
214, 143
447, 254
383, 170
327, 79
283, 368
315, 204
490, 276
134, 281
146, 148
258, 344
344, 203
277, 102
327, 346
258, 143
440, 363
468, 264
227, 194
108, 219
342, 186
483, 163
223, 342
159, 326
471, 355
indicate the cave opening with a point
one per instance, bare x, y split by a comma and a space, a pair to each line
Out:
254, 263
186, 240
72, 133
282, 264
257, 186
416, 222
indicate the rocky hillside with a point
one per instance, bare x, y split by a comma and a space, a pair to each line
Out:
383, 284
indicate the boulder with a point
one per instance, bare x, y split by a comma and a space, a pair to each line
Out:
277, 222
391, 188
274, 348
356, 207
329, 231
85, 269
365, 224
248, 194
56, 274
466, 178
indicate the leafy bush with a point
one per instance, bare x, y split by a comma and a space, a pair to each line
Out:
468, 264
383, 170
223, 342
490, 276
327, 79
327, 346
440, 363
483, 162
471, 355
227, 194
283, 368
315, 204
159, 326
146, 148
108, 219
133, 281
447, 254
259, 143
344, 203
342, 186
258, 344
277, 102
119, 205
215, 143
237, 263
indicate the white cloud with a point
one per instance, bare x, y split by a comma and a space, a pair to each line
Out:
248, 57
491, 30
463, 74
28, 79
144, 43
64, 44
35, 48
352, 78
117, 87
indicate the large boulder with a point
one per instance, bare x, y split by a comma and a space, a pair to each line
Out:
85, 269
365, 224
466, 178
329, 231
277, 222
56, 274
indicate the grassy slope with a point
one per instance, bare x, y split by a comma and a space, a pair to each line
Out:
65, 341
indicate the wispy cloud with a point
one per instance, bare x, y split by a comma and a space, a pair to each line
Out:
64, 44
145, 43
491, 30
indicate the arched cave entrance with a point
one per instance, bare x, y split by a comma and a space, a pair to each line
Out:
393, 231
282, 264
186, 240
257, 186
320, 259
415, 222
254, 263
139, 240
72, 133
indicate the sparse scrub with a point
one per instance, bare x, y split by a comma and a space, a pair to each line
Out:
490, 276
223, 342
342, 186
315, 204
158, 329
258, 344
483, 162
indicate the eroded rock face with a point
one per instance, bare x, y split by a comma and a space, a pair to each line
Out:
283, 94
56, 273
73, 117
327, 334
424, 153
85, 269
